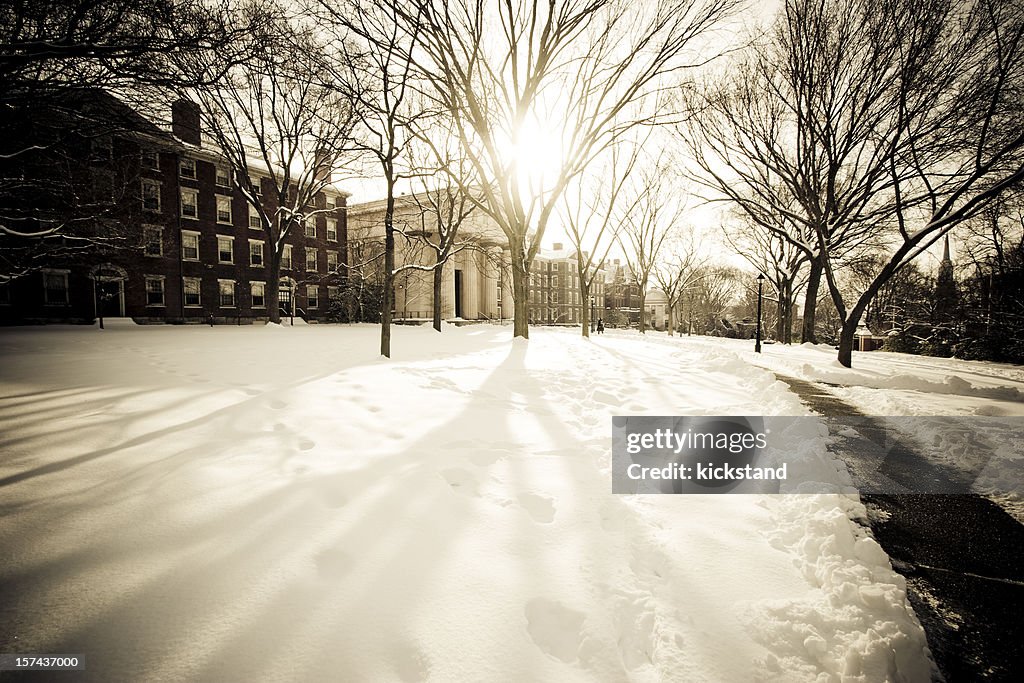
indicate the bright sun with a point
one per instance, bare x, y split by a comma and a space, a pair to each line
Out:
538, 154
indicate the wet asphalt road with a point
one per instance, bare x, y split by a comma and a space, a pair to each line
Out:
962, 555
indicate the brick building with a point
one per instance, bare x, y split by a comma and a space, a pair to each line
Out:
187, 248
555, 293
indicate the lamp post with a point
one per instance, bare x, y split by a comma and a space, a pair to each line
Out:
593, 323
757, 338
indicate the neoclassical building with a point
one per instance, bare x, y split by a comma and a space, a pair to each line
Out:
475, 281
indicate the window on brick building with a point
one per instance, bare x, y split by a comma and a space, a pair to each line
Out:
286, 257
225, 249
150, 195
191, 289
149, 159
187, 168
332, 229
309, 225
55, 287
310, 258
227, 293
153, 241
189, 203
255, 222
258, 291
255, 253
312, 296
332, 261
154, 290
189, 246
223, 177
223, 209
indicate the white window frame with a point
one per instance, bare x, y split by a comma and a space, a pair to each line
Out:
316, 259
63, 274
286, 257
262, 251
263, 293
332, 229
257, 184
186, 282
332, 261
188, 163
195, 195
221, 293
309, 227
231, 248
163, 291
222, 173
224, 201
254, 214
313, 301
192, 234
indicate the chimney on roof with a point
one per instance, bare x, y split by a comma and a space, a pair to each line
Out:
558, 246
185, 122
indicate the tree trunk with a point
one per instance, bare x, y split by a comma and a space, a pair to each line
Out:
520, 291
671, 323
846, 341
811, 302
438, 283
273, 295
585, 294
643, 312
388, 297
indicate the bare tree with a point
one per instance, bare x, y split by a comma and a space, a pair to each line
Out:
781, 262
583, 72
443, 205
276, 112
73, 76
715, 289
594, 208
960, 135
855, 119
656, 214
677, 270
373, 67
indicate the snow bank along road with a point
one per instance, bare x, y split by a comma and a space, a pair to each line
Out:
278, 504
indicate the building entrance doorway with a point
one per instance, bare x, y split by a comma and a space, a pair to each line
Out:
458, 293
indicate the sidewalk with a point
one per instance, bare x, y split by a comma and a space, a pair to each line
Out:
962, 555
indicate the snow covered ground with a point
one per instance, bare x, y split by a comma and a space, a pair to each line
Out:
987, 441
279, 504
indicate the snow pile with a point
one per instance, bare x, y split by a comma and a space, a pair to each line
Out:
285, 506
857, 627
950, 384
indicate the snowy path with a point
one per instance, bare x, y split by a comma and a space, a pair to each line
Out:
237, 504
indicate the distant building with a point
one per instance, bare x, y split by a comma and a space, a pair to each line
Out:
475, 283
187, 248
622, 295
555, 293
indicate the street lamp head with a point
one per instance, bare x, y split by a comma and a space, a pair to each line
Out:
760, 276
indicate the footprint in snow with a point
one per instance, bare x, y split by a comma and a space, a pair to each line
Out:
277, 404
411, 665
555, 628
306, 444
541, 508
